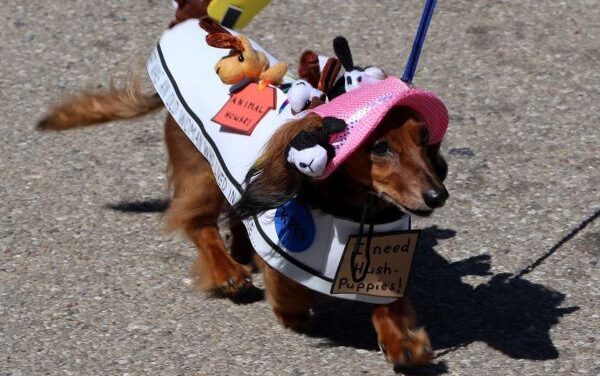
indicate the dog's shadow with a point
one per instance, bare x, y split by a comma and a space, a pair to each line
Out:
510, 314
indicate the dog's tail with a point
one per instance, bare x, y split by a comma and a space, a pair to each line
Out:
90, 108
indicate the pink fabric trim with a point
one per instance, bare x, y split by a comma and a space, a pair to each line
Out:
364, 108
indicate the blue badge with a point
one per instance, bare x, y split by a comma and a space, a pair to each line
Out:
295, 226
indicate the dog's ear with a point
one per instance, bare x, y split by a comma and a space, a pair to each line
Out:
272, 181
222, 40
212, 26
342, 51
308, 69
438, 162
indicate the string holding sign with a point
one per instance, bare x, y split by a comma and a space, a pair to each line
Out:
413, 58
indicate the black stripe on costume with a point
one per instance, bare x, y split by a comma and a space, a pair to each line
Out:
238, 186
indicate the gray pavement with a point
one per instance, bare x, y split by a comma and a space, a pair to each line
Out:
91, 285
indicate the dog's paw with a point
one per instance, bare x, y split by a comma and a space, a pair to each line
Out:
411, 349
232, 281
225, 279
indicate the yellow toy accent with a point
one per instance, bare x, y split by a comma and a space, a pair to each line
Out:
235, 13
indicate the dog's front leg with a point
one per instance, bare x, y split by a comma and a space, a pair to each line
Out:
290, 300
401, 342
195, 209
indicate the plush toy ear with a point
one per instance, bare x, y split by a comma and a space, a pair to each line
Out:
330, 72
212, 26
222, 40
333, 125
342, 51
308, 69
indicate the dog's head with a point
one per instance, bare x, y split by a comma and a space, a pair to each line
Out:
398, 165
395, 163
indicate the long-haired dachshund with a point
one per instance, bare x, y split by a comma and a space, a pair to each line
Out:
395, 163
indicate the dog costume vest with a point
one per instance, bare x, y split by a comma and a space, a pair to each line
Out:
304, 244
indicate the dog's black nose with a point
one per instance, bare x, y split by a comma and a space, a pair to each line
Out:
435, 197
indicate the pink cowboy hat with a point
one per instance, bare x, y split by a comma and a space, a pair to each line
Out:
363, 110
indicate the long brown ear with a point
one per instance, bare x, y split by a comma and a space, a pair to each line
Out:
308, 69
271, 182
329, 75
212, 26
220, 40
438, 162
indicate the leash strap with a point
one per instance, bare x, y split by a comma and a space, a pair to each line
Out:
356, 274
413, 58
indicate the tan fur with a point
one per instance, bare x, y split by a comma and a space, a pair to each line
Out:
89, 108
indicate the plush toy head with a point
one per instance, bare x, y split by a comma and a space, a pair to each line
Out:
243, 61
301, 94
354, 76
310, 150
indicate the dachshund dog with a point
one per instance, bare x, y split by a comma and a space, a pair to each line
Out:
395, 164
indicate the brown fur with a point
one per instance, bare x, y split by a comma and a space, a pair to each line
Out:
90, 108
189, 9
197, 202
308, 68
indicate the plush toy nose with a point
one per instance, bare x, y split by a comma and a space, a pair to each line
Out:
435, 197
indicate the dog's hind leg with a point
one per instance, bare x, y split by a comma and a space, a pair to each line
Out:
195, 209
402, 343
290, 300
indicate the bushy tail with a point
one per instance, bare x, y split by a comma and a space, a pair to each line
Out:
89, 108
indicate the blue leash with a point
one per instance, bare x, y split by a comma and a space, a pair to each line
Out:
413, 59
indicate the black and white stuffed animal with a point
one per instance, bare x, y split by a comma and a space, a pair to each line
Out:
318, 74
310, 151
301, 94
354, 76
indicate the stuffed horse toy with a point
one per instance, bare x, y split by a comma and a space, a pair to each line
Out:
243, 63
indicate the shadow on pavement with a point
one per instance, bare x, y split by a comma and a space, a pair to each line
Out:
145, 206
508, 313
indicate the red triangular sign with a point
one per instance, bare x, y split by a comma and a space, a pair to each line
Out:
246, 108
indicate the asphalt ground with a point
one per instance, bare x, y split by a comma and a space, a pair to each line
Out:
91, 285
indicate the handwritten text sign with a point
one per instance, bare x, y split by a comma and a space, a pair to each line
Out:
246, 108
383, 272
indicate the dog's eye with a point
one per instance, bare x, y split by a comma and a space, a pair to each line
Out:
241, 58
380, 147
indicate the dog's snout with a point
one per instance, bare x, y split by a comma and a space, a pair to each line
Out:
435, 197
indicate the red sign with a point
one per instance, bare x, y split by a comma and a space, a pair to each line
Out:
246, 108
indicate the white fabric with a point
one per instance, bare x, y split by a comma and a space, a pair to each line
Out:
300, 93
184, 77
310, 161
